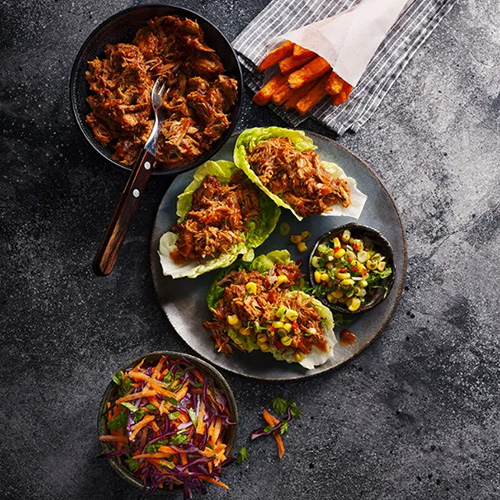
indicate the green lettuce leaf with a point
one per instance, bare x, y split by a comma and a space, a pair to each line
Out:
249, 138
257, 233
263, 264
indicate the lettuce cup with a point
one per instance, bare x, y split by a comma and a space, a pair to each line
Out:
283, 164
222, 215
261, 306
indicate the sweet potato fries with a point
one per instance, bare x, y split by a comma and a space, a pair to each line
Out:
302, 81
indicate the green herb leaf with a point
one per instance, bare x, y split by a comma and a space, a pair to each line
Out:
151, 407
279, 405
192, 416
117, 378
284, 428
294, 410
139, 415
385, 273
268, 428
178, 439
242, 455
130, 407
172, 401
167, 378
341, 320
132, 463
118, 422
126, 385
174, 415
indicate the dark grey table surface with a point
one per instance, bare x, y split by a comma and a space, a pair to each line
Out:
415, 416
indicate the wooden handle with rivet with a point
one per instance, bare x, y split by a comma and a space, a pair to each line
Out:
107, 254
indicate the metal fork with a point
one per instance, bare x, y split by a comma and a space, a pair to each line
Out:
107, 254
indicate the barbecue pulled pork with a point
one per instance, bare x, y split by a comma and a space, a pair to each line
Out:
198, 102
257, 311
218, 217
297, 177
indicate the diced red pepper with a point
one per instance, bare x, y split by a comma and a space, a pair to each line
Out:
355, 268
336, 249
295, 325
278, 345
355, 246
343, 270
272, 329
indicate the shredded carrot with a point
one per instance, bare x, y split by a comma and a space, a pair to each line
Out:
184, 459
117, 439
137, 427
159, 386
157, 369
272, 420
214, 431
154, 426
181, 392
137, 395
214, 481
138, 367
279, 442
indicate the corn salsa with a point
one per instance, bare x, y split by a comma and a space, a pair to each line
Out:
348, 271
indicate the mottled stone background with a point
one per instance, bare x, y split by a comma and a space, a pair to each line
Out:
415, 416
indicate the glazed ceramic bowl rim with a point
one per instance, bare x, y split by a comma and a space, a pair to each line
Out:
207, 369
106, 152
378, 239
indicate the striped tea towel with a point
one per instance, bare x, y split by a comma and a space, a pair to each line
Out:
409, 32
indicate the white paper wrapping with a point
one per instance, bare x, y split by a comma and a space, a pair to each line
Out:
349, 40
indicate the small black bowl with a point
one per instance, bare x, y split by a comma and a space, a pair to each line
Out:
152, 359
121, 28
382, 245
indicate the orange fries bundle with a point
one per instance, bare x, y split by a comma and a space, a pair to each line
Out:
303, 80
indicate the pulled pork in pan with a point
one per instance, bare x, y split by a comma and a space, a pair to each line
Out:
198, 101
259, 307
218, 218
297, 177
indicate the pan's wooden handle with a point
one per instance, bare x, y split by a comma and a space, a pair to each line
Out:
106, 256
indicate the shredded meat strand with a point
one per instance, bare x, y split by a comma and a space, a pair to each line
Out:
218, 218
297, 177
257, 311
198, 102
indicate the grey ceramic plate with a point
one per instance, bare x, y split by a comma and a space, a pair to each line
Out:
183, 300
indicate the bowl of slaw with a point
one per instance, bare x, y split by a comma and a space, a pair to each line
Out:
168, 421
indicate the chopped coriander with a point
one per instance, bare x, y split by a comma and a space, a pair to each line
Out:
132, 463
139, 415
173, 415
242, 455
284, 428
126, 385
151, 407
268, 428
117, 379
130, 407
118, 422
192, 416
172, 401
178, 439
341, 320
294, 410
167, 377
279, 405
